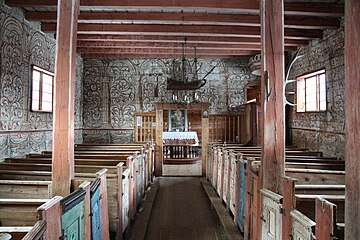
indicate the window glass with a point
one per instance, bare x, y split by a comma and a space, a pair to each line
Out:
42, 90
311, 92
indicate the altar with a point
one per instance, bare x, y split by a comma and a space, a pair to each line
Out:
183, 147
182, 133
179, 138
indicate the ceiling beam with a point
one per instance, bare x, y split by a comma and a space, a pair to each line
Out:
167, 51
180, 39
181, 30
246, 6
188, 19
156, 56
157, 45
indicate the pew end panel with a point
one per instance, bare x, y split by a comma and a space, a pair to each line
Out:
50, 212
302, 227
271, 215
37, 232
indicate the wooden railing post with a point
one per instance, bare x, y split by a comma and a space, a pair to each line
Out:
289, 203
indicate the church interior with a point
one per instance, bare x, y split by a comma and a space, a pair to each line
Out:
179, 120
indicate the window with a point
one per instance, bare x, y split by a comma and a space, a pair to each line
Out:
42, 90
311, 92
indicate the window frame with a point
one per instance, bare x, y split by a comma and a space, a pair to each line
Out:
303, 80
42, 73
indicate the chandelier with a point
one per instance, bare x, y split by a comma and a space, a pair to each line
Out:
184, 73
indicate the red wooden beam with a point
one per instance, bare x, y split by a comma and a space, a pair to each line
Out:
176, 30
180, 39
189, 19
63, 121
162, 56
272, 94
246, 6
157, 45
352, 120
189, 52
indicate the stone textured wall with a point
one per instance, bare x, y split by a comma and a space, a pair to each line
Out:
23, 45
114, 89
323, 131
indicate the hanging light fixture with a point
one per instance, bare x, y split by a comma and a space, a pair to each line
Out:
184, 75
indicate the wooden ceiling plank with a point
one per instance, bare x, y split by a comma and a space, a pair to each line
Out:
172, 39
245, 6
94, 44
164, 51
156, 56
190, 18
177, 30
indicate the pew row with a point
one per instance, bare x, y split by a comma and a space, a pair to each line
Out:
26, 219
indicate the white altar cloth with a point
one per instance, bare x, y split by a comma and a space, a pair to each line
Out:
181, 136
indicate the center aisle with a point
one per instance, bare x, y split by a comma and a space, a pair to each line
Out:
182, 211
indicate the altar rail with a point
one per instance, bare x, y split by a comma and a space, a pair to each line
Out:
180, 152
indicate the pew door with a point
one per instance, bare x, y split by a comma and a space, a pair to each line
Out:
72, 220
242, 195
271, 215
214, 168
302, 227
95, 210
125, 199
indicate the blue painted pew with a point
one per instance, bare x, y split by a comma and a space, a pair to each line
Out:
95, 210
242, 195
72, 220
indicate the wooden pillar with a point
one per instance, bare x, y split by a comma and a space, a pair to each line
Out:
272, 92
204, 140
159, 139
64, 89
352, 120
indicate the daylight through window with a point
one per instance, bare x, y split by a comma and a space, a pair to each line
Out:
311, 92
42, 90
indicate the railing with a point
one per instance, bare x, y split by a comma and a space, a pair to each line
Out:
242, 127
186, 152
145, 127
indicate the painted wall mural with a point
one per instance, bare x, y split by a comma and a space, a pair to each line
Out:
323, 131
114, 89
23, 45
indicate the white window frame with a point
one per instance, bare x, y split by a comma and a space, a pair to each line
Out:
41, 99
302, 104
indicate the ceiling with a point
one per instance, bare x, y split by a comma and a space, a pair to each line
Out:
158, 28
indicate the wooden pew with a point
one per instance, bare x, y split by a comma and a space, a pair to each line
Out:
25, 189
304, 176
140, 179
46, 211
80, 178
18, 216
226, 184
305, 207
37, 231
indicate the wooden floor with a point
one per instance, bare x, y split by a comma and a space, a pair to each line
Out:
182, 210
